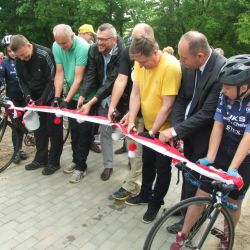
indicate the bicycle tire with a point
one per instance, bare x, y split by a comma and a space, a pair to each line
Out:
159, 238
7, 151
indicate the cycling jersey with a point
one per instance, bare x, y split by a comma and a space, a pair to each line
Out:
235, 117
9, 76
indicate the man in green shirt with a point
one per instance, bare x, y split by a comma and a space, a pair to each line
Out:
71, 56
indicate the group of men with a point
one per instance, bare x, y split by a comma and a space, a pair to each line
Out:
150, 91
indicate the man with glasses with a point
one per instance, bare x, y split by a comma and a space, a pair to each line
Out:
102, 70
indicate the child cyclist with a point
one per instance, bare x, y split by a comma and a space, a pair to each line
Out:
13, 91
229, 144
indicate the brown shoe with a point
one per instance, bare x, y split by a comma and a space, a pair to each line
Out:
95, 148
106, 173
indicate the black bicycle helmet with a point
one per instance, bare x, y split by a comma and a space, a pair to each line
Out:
236, 71
6, 40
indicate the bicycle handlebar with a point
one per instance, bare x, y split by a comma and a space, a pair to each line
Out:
217, 185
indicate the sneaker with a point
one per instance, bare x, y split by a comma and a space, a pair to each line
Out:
121, 194
69, 169
151, 213
17, 158
137, 200
50, 169
178, 244
34, 165
224, 243
77, 176
23, 155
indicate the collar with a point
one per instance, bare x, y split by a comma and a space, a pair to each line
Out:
74, 42
204, 65
112, 51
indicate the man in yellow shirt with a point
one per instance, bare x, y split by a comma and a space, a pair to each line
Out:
157, 78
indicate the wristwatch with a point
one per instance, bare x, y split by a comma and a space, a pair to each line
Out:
173, 132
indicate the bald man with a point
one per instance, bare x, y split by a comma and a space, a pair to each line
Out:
192, 116
71, 56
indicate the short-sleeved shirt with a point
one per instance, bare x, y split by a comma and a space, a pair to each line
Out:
235, 117
77, 55
126, 67
162, 80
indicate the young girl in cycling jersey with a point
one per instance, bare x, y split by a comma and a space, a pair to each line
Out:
13, 91
229, 145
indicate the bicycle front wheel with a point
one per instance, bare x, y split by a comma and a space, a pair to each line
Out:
8, 138
208, 232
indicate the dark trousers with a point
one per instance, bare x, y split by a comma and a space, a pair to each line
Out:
48, 132
18, 125
81, 138
156, 167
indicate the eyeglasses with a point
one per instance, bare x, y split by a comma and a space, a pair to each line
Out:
102, 39
86, 33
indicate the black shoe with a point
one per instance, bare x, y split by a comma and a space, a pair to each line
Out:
23, 155
151, 213
137, 200
34, 165
175, 228
50, 169
121, 150
17, 158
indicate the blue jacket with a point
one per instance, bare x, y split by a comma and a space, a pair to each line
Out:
9, 77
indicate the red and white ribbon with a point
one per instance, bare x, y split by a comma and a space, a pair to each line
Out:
154, 144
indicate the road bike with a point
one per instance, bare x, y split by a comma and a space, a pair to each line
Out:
8, 136
213, 230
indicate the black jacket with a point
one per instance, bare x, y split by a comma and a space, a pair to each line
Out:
94, 74
36, 76
196, 129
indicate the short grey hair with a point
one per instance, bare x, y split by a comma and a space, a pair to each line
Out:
18, 41
142, 29
197, 42
62, 28
143, 45
108, 26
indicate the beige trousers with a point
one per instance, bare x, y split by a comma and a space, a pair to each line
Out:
133, 181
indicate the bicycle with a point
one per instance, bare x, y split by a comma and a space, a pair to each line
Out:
213, 226
7, 129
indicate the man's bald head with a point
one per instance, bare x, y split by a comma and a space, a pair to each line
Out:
62, 29
197, 42
64, 36
142, 29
